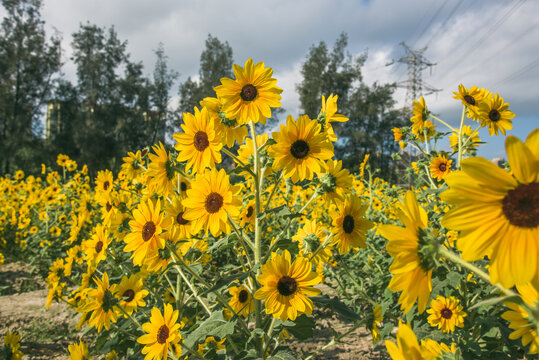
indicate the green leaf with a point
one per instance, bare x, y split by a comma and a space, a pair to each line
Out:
336, 305
303, 327
454, 279
282, 355
215, 325
227, 280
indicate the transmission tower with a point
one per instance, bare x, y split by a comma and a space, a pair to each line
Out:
415, 86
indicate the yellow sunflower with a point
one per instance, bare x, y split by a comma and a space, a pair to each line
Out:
146, 227
420, 116
131, 293
494, 113
328, 114
102, 302
200, 143
349, 225
411, 274
519, 318
335, 181
310, 237
175, 210
397, 134
440, 166
252, 95
242, 301
301, 149
408, 348
211, 344
446, 313
247, 217
245, 153
377, 319
470, 139
95, 249
231, 132
12, 345
209, 201
163, 332
286, 285
471, 99
78, 351
497, 212
132, 165
161, 173
103, 185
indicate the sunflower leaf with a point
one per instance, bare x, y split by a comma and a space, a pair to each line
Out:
303, 327
215, 325
282, 355
336, 305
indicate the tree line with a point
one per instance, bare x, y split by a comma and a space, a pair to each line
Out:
113, 107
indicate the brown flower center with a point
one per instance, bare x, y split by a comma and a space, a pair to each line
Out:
250, 211
248, 92
299, 149
243, 296
129, 294
180, 220
521, 205
442, 167
348, 224
99, 246
494, 115
148, 230
106, 185
214, 201
201, 141
469, 99
446, 313
162, 334
183, 186
108, 206
286, 286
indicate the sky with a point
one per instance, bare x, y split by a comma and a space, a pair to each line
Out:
487, 43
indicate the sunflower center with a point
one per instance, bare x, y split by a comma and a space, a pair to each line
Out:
180, 220
108, 206
494, 115
446, 313
148, 230
99, 246
348, 224
248, 92
243, 296
129, 294
521, 205
201, 141
183, 186
469, 99
442, 167
250, 211
214, 201
106, 185
299, 149
286, 286
162, 334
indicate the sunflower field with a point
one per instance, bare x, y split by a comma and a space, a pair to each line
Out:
182, 255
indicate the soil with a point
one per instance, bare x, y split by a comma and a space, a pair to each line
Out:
46, 333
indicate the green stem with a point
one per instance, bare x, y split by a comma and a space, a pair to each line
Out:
275, 187
460, 135
443, 122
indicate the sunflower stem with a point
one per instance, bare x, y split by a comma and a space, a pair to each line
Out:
460, 136
275, 187
265, 344
133, 320
443, 122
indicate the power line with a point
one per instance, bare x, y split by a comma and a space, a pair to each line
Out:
520, 72
444, 23
430, 22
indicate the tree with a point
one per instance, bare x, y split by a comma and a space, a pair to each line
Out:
28, 63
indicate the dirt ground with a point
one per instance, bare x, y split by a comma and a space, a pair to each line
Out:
45, 334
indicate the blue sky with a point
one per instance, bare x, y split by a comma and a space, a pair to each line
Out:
487, 43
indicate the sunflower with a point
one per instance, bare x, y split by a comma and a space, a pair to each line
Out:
245, 153
132, 165
286, 285
131, 293
12, 345
310, 237
408, 348
78, 351
420, 116
493, 113
301, 149
211, 344
497, 212
231, 132
242, 301
446, 313
147, 225
103, 185
377, 319
397, 134
471, 99
470, 139
200, 143
440, 166
162, 333
210, 200
247, 215
328, 114
427, 132
252, 95
95, 249
62, 160
350, 225
411, 273
519, 318
161, 174
174, 211
102, 302
335, 181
